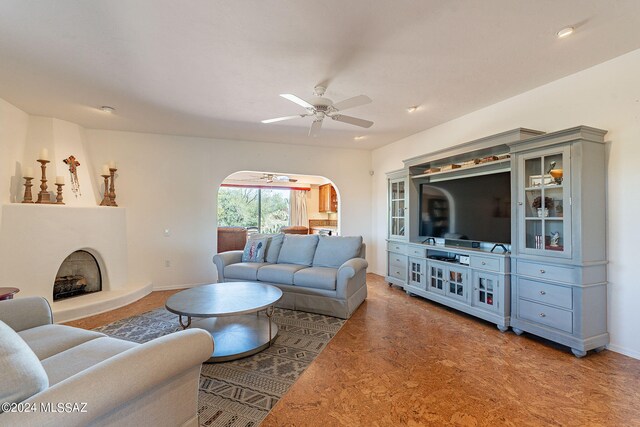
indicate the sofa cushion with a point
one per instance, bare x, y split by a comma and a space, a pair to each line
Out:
243, 270
47, 340
274, 245
279, 273
255, 249
76, 359
316, 277
333, 251
298, 249
22, 373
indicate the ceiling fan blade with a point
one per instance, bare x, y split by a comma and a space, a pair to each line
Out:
279, 119
297, 100
315, 128
352, 120
356, 101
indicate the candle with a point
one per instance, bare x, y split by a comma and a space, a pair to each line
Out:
44, 154
112, 164
28, 172
59, 179
105, 170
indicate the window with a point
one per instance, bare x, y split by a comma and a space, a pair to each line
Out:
267, 209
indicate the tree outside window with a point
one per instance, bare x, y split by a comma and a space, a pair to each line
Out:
264, 208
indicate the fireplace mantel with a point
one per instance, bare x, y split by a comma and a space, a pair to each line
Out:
35, 239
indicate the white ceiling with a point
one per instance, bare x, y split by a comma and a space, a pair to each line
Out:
215, 68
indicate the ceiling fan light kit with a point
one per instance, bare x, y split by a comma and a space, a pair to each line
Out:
565, 32
321, 107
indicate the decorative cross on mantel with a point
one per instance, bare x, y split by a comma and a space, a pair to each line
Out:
73, 164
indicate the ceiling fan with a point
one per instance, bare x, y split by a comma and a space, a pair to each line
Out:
268, 178
271, 177
321, 107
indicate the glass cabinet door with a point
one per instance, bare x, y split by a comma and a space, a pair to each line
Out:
417, 273
485, 291
456, 283
544, 209
437, 278
397, 207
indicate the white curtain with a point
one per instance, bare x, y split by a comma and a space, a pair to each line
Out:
298, 208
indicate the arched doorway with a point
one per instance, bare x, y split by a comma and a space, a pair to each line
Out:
268, 202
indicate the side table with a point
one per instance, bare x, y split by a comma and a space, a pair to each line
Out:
7, 293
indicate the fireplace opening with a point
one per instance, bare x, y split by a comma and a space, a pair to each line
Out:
79, 274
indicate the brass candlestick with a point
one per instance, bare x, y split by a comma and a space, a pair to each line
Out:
112, 188
59, 196
28, 198
106, 200
43, 195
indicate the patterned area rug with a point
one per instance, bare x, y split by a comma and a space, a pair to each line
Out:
242, 392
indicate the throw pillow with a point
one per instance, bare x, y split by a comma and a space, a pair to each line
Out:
254, 249
335, 251
298, 249
22, 373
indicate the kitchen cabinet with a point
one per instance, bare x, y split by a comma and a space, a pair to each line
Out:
328, 199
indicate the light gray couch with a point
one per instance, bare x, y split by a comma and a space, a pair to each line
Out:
318, 274
122, 383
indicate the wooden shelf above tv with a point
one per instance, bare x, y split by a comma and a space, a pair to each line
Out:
505, 166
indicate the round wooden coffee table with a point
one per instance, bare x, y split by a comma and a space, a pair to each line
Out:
231, 313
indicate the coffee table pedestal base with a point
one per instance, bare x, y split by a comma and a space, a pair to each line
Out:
235, 337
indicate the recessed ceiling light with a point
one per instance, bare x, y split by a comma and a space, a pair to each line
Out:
107, 109
412, 109
565, 32
359, 137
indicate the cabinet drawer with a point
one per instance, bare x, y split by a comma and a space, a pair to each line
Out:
549, 316
485, 263
398, 272
400, 248
417, 251
397, 260
546, 271
562, 296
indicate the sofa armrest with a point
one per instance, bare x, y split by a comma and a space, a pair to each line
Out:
121, 380
25, 313
351, 276
223, 259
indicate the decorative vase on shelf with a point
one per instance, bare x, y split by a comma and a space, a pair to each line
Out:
542, 213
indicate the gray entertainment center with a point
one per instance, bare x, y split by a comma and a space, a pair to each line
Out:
550, 278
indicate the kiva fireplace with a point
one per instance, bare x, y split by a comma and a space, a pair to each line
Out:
79, 274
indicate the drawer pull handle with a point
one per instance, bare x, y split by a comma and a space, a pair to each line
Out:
542, 315
542, 271
543, 293
484, 263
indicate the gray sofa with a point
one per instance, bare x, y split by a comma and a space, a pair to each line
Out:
122, 383
318, 274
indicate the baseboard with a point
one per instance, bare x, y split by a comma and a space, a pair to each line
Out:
192, 422
625, 351
172, 287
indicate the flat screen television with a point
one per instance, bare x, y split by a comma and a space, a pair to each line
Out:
475, 208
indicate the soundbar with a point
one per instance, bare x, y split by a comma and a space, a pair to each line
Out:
462, 243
